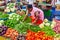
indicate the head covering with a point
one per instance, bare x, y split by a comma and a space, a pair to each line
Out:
29, 6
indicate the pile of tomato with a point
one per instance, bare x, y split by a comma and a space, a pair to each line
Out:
38, 36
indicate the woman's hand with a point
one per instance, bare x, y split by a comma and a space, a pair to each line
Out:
26, 16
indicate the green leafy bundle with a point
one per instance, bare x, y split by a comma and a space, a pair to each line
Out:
3, 15
48, 31
11, 23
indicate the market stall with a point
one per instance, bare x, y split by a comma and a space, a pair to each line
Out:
12, 26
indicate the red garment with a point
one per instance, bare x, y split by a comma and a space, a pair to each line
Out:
37, 22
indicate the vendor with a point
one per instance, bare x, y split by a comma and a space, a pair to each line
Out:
36, 15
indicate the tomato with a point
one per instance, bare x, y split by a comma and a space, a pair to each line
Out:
37, 36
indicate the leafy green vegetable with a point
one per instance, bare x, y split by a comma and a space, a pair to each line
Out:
11, 23
35, 28
22, 28
3, 15
28, 20
48, 31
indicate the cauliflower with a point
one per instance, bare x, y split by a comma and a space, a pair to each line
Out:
46, 20
8, 10
41, 25
12, 9
47, 24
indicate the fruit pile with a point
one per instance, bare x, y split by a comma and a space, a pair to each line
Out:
38, 36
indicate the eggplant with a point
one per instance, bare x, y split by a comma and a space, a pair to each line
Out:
3, 30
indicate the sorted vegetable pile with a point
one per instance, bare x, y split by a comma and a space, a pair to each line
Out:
1, 22
38, 36
11, 33
3, 30
24, 27
11, 23
48, 31
14, 16
3, 15
10, 7
17, 29
21, 28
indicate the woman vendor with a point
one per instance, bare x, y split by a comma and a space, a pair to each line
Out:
36, 15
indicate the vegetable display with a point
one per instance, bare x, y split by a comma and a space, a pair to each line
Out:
38, 36
11, 23
34, 28
1, 22
47, 27
11, 33
17, 29
48, 30
3, 15
14, 16
10, 7
22, 28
